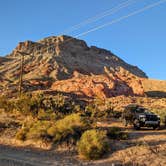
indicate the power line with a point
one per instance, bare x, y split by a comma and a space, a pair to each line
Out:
122, 18
99, 16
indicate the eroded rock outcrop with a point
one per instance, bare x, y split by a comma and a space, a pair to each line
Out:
101, 86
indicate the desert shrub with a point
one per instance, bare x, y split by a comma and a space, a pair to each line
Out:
115, 114
89, 109
71, 121
47, 115
59, 100
92, 111
57, 104
116, 133
76, 108
26, 104
21, 134
34, 104
36, 130
6, 104
101, 109
161, 113
68, 128
93, 144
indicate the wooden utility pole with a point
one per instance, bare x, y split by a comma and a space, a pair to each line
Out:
21, 74
21, 71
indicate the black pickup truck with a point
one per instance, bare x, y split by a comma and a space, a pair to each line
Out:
140, 117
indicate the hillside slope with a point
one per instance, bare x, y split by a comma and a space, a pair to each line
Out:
56, 62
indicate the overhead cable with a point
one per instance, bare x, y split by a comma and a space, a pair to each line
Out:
99, 16
122, 18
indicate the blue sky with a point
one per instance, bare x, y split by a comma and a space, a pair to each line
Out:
139, 40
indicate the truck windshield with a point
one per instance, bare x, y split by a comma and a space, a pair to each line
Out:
140, 110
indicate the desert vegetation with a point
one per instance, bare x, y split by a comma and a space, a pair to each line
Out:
52, 119
57, 120
93, 144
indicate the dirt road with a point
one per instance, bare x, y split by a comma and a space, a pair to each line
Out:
145, 147
11, 156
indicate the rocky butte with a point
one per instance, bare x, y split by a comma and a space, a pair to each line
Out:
68, 65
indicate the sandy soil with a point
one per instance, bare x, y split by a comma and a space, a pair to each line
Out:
144, 147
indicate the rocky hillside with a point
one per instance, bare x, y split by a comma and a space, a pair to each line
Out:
68, 65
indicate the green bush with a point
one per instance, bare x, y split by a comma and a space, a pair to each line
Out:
27, 104
40, 105
47, 115
93, 144
38, 131
70, 127
57, 104
161, 113
101, 109
92, 111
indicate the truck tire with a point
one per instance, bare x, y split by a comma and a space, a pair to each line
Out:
137, 124
156, 127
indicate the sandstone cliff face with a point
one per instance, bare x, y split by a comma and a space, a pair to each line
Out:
67, 64
104, 85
